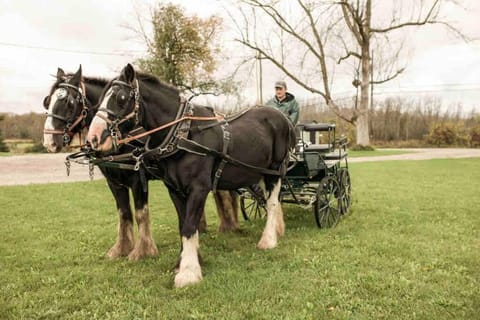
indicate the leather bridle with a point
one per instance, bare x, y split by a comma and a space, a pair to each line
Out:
113, 120
70, 124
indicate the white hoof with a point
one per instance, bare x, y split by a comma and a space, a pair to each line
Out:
186, 278
266, 243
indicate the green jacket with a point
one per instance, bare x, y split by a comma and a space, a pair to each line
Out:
288, 106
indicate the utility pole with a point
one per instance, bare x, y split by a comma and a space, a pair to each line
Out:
259, 79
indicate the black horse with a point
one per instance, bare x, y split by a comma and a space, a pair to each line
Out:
202, 152
71, 104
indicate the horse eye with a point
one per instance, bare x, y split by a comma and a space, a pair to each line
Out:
121, 97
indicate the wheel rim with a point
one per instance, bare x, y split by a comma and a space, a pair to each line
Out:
251, 209
346, 191
327, 206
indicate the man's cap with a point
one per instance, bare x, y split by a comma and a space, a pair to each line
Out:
280, 84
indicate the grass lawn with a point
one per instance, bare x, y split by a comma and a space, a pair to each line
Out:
408, 250
375, 153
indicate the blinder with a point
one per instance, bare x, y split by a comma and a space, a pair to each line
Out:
115, 120
70, 123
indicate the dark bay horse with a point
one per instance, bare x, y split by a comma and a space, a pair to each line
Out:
71, 104
203, 153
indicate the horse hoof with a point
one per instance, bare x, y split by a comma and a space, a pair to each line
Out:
118, 251
140, 252
187, 278
266, 243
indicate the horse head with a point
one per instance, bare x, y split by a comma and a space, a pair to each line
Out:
66, 109
118, 111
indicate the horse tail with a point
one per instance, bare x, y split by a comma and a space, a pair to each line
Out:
291, 140
292, 137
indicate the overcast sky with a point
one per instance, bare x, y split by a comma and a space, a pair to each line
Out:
36, 37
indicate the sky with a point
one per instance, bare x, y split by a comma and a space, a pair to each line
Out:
37, 37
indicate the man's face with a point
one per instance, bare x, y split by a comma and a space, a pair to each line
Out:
280, 92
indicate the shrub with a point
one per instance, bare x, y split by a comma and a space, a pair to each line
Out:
446, 134
474, 136
36, 148
3, 146
359, 147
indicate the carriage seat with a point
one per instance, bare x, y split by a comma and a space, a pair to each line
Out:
322, 148
318, 126
336, 155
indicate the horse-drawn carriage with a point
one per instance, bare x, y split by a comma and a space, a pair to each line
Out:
317, 177
194, 150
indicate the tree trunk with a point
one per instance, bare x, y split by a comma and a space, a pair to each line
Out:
363, 137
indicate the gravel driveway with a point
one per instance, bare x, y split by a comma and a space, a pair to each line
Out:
48, 168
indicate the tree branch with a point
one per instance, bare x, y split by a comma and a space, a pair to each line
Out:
429, 18
348, 14
349, 54
396, 74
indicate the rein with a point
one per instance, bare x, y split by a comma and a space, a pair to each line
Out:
167, 125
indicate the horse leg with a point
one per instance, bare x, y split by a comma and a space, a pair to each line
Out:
203, 223
227, 209
275, 225
179, 203
190, 271
145, 246
125, 241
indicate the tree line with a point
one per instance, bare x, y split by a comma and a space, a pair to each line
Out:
393, 121
405, 122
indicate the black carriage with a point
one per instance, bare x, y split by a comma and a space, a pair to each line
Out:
317, 177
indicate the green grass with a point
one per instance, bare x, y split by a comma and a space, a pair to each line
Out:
409, 250
375, 153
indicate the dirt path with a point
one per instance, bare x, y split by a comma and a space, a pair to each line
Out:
424, 154
41, 168
48, 168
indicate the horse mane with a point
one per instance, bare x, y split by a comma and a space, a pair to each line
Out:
96, 81
153, 80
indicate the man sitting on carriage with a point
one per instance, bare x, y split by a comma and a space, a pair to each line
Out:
285, 102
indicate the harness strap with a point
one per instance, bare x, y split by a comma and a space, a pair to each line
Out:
169, 124
194, 147
226, 142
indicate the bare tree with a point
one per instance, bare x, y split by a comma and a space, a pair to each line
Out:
322, 27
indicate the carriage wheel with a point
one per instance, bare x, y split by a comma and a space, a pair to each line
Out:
251, 207
327, 205
346, 190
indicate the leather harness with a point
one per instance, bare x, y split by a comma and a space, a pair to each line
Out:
175, 140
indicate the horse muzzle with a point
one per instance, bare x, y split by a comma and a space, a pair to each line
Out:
52, 143
102, 141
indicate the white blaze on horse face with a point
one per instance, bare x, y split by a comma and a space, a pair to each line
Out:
190, 271
99, 125
48, 141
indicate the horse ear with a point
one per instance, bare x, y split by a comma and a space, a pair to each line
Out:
128, 73
77, 77
60, 74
